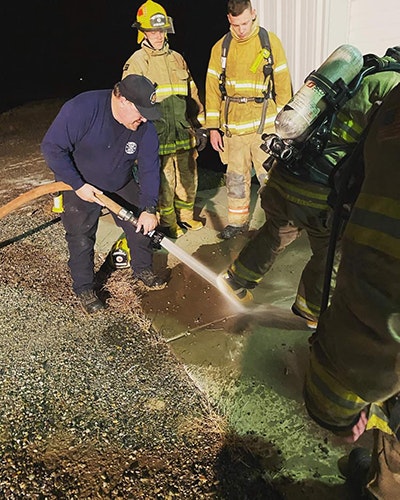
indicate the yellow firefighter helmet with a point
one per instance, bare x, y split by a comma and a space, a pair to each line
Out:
152, 16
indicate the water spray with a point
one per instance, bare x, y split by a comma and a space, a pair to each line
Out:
159, 240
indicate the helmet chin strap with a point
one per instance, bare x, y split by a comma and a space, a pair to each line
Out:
147, 41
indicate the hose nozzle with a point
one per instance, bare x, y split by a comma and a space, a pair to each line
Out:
127, 215
155, 236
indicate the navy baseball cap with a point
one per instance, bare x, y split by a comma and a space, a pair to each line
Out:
142, 92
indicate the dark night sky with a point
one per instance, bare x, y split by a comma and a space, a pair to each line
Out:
58, 48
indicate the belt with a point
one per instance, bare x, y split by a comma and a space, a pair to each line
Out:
244, 100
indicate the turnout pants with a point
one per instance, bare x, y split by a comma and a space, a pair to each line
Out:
241, 154
384, 473
287, 215
80, 219
178, 187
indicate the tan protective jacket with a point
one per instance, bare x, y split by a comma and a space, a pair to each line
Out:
176, 92
244, 118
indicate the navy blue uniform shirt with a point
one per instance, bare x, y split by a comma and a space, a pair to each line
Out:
85, 144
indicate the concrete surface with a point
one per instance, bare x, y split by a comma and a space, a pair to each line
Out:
251, 365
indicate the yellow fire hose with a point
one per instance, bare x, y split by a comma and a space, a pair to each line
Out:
124, 214
55, 187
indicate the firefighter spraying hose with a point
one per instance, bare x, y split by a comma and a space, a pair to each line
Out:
158, 239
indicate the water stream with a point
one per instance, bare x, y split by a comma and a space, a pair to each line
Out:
202, 271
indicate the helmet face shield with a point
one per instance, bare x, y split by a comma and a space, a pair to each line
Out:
156, 22
160, 22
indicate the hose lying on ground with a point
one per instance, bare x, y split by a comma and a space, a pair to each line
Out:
33, 194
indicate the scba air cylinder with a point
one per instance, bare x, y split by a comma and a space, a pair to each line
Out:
294, 120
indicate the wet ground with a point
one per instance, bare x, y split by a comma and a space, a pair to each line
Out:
252, 363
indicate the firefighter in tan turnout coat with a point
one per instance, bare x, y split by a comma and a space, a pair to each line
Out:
179, 130
242, 100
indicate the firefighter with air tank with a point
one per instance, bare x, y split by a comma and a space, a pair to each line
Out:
316, 131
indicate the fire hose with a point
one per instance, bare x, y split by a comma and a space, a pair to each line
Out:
33, 194
126, 215
54, 187
157, 238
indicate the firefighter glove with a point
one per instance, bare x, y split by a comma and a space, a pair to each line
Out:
201, 135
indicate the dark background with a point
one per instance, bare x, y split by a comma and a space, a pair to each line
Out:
58, 48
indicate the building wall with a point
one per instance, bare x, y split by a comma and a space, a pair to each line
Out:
374, 25
310, 30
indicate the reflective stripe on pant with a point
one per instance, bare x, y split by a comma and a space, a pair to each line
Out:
80, 220
285, 219
335, 407
242, 153
178, 186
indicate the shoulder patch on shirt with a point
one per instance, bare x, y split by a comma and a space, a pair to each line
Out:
130, 148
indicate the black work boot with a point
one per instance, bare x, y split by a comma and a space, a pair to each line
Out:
90, 302
355, 468
231, 231
150, 280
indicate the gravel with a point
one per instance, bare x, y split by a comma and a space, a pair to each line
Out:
88, 403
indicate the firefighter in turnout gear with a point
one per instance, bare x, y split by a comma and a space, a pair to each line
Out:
246, 84
180, 130
353, 380
295, 198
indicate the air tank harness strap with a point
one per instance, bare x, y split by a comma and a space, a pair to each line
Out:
264, 55
336, 94
245, 100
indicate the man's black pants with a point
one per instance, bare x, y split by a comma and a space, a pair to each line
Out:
81, 218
